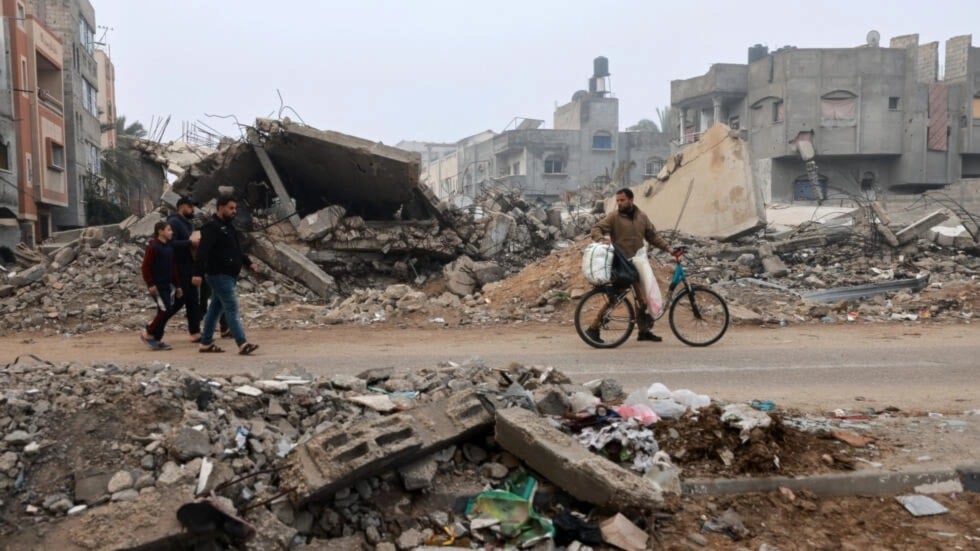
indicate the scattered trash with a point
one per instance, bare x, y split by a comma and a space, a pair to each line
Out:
728, 523
509, 513
921, 506
763, 405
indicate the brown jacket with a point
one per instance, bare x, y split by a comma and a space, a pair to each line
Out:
628, 232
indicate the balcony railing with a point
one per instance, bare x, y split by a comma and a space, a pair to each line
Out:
50, 100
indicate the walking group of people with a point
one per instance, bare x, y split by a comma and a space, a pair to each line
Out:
181, 268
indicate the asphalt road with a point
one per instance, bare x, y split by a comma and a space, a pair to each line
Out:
926, 367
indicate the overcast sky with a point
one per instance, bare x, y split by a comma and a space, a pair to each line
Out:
440, 70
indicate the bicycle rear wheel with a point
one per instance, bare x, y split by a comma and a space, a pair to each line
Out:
699, 316
617, 317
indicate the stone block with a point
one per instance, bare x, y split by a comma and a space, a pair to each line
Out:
142, 229
315, 226
339, 456
288, 261
419, 475
921, 226
570, 465
28, 276
460, 277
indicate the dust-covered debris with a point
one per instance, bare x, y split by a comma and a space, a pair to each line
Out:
77, 437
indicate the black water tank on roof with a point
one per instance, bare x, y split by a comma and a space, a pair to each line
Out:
600, 67
758, 52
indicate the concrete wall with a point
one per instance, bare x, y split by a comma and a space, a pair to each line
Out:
888, 139
107, 98
9, 200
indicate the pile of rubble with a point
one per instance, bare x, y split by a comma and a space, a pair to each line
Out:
816, 274
463, 454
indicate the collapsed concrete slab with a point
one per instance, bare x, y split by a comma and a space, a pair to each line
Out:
570, 465
339, 456
922, 226
710, 193
317, 225
292, 263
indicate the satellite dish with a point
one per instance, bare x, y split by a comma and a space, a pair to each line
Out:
874, 38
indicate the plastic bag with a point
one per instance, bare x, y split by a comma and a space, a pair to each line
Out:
624, 271
643, 413
664, 474
648, 283
597, 263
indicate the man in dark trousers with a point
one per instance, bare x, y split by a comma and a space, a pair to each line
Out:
219, 261
628, 227
184, 242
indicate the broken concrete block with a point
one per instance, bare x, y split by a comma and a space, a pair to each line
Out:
315, 226
495, 233
460, 279
772, 264
419, 475
189, 443
65, 256
290, 262
887, 234
341, 455
921, 226
570, 465
619, 531
28, 276
6, 291
94, 236
142, 229
487, 272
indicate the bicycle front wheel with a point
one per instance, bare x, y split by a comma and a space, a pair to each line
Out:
698, 316
611, 311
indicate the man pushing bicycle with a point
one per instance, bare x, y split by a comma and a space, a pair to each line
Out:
627, 227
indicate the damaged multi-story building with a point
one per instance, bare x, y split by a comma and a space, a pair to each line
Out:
73, 23
584, 149
881, 120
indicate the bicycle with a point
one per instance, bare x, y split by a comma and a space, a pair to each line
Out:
698, 315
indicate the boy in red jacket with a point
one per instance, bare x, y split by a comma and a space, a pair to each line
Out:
161, 277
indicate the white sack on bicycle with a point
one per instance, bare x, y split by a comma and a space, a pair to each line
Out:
648, 283
597, 263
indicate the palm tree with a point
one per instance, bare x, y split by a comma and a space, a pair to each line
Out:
664, 116
121, 177
645, 125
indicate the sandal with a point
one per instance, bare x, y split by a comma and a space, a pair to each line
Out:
196, 337
210, 349
247, 349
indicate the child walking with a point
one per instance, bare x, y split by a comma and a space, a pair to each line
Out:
163, 283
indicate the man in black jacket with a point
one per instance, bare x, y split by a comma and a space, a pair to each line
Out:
184, 242
219, 261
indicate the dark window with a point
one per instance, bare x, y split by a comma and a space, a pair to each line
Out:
778, 111
893, 103
56, 155
602, 140
554, 165
654, 166
4, 157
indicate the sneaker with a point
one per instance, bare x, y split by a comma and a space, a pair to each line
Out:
149, 341
593, 335
163, 346
648, 336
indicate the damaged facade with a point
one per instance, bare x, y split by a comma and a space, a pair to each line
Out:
584, 150
880, 119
